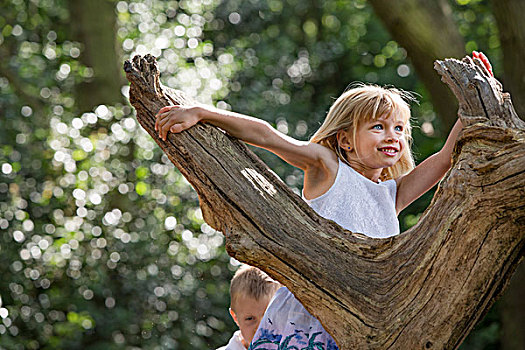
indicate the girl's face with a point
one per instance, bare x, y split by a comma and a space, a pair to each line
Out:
378, 144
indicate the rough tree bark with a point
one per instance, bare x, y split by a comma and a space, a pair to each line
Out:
425, 288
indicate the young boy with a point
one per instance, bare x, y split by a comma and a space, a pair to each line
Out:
250, 291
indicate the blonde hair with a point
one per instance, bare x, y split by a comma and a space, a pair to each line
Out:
251, 282
362, 103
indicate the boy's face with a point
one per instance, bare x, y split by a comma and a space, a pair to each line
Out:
248, 314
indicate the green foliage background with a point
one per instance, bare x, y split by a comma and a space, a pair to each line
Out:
102, 242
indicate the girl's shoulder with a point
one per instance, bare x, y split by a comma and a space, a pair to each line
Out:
319, 177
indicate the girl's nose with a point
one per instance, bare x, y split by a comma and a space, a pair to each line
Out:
392, 137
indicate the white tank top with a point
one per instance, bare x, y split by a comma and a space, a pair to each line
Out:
359, 204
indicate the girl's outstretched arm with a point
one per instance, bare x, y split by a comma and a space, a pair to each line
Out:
412, 185
310, 157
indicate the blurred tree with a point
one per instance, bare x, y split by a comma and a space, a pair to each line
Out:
94, 25
428, 31
104, 244
508, 15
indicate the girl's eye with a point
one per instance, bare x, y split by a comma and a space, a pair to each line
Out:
377, 127
248, 318
399, 128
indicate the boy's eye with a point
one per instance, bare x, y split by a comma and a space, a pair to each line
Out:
377, 127
399, 128
248, 318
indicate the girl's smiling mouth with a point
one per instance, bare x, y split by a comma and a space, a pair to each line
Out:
389, 151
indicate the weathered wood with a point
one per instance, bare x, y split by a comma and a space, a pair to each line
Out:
425, 288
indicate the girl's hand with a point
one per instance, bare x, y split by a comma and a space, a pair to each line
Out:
175, 119
481, 56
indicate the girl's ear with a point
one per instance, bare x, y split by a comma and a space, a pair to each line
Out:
344, 140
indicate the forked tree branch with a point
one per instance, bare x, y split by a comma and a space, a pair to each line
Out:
422, 289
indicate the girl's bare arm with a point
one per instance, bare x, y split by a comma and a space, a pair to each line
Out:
432, 169
412, 185
304, 155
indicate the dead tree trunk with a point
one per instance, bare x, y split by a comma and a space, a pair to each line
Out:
423, 289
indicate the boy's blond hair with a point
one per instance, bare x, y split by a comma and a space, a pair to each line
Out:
361, 104
251, 282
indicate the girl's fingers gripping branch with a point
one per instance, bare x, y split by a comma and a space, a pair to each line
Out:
166, 117
174, 119
161, 114
481, 56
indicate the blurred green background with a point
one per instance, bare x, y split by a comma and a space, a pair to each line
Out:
102, 242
